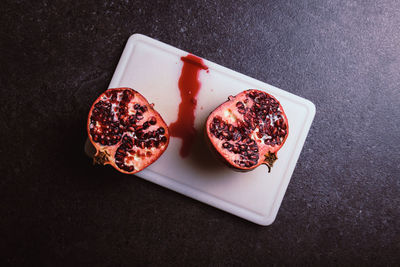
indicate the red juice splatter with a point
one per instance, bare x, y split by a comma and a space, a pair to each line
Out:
189, 86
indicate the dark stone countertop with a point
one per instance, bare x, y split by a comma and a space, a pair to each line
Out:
342, 205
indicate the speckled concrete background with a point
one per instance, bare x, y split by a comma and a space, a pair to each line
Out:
342, 205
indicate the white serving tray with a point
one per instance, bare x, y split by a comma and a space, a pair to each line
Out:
153, 68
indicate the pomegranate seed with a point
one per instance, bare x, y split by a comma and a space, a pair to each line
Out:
143, 109
156, 144
152, 121
161, 130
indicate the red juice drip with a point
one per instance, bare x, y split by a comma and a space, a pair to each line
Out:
189, 86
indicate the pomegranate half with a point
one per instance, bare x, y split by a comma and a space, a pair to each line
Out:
126, 131
248, 129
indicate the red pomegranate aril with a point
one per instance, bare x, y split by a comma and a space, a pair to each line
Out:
149, 143
120, 126
143, 108
146, 125
161, 130
153, 121
255, 123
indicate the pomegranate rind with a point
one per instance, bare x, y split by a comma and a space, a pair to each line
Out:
105, 154
228, 113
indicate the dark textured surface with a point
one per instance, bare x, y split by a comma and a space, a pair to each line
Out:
342, 205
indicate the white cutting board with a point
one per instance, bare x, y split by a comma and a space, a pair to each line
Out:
153, 68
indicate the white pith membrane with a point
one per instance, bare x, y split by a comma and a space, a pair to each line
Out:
139, 156
230, 115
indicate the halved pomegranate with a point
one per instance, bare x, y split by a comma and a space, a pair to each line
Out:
126, 131
248, 129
